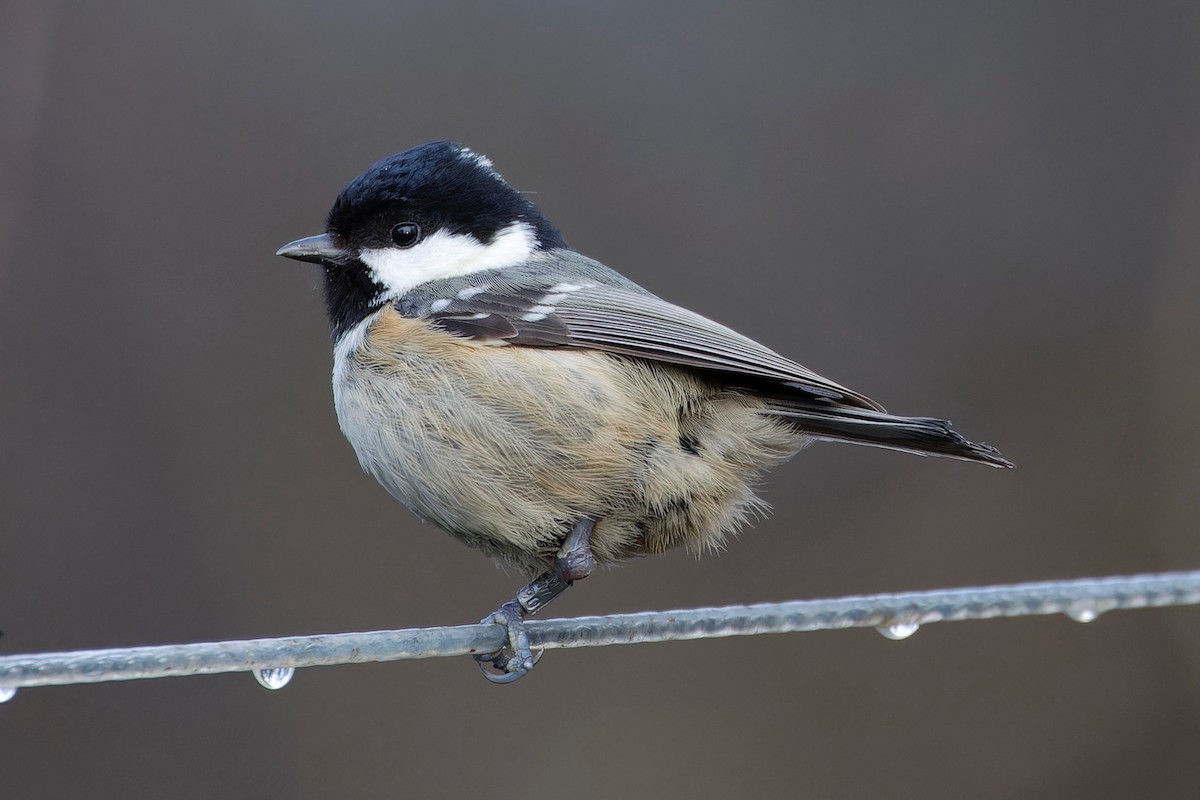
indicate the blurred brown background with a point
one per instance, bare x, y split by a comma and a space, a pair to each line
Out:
982, 211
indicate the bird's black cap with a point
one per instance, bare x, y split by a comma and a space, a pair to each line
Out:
440, 186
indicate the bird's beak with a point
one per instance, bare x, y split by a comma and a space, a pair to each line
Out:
316, 249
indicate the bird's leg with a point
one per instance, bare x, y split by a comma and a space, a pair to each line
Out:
575, 560
574, 563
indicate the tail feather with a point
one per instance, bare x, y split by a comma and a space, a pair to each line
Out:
920, 435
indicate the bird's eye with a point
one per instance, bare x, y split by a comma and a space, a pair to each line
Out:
406, 234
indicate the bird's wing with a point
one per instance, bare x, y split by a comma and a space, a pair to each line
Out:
621, 320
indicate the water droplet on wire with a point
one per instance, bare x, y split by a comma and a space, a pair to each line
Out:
7, 693
1082, 611
274, 677
899, 630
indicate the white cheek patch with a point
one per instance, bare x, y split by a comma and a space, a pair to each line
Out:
446, 255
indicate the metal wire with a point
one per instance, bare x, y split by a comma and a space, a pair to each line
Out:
895, 615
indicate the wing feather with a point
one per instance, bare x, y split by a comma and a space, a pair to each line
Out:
620, 320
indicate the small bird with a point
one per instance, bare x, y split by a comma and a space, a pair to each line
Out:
543, 408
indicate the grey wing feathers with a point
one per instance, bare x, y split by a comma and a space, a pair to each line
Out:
620, 320
606, 312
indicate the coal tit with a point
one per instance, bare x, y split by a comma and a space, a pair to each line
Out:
541, 407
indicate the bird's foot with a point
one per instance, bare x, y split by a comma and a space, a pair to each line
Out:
514, 660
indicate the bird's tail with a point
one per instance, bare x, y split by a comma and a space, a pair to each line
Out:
920, 435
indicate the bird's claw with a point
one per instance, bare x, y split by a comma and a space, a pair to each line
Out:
515, 659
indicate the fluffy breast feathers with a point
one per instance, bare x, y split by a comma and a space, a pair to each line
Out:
506, 446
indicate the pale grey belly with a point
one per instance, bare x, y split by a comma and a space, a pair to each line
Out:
507, 449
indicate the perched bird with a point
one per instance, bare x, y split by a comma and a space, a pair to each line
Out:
541, 407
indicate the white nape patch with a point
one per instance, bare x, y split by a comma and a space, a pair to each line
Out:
446, 255
439, 305
478, 159
471, 291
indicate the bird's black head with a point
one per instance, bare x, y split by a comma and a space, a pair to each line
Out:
439, 186
435, 211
